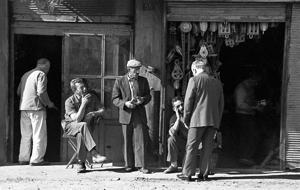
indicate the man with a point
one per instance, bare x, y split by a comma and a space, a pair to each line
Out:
177, 135
203, 108
33, 102
82, 111
245, 109
130, 94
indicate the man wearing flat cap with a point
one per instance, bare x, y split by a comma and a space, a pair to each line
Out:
130, 94
203, 109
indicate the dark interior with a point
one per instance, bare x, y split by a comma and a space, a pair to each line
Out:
263, 56
28, 49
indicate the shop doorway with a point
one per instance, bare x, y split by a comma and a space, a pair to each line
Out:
262, 57
27, 50
236, 51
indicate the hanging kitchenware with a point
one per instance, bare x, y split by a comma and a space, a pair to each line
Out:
203, 51
240, 38
185, 27
224, 29
195, 29
177, 74
211, 38
172, 29
229, 42
203, 27
263, 27
250, 30
213, 27
243, 28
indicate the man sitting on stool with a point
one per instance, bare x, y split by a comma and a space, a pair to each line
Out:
177, 135
82, 109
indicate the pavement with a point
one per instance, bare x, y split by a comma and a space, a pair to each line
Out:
56, 176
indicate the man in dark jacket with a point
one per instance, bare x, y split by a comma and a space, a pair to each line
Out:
130, 94
203, 109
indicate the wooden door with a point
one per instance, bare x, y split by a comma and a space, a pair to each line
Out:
100, 59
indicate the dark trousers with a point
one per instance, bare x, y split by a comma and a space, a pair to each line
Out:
85, 141
248, 135
135, 135
195, 136
176, 148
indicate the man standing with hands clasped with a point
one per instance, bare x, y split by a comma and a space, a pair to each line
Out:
203, 109
130, 94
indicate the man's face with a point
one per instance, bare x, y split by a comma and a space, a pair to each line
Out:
133, 72
178, 105
81, 89
47, 67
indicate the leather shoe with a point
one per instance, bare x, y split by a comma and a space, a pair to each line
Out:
184, 177
201, 177
42, 163
130, 169
97, 158
144, 170
81, 167
171, 169
23, 162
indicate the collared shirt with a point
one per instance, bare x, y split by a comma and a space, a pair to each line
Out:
33, 90
134, 87
73, 103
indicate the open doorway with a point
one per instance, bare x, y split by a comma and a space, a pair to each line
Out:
28, 49
235, 52
262, 57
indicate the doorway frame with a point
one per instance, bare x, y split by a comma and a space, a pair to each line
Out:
284, 83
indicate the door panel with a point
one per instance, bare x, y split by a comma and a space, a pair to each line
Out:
100, 59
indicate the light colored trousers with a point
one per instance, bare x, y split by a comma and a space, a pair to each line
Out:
33, 129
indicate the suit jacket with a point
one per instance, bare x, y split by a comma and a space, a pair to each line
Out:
204, 101
121, 94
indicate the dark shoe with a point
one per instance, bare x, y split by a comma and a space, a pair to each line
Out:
42, 163
81, 167
97, 158
171, 169
144, 170
184, 177
130, 169
23, 162
200, 177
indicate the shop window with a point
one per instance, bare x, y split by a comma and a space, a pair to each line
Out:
98, 58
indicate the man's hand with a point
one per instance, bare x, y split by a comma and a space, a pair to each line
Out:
129, 104
85, 99
139, 100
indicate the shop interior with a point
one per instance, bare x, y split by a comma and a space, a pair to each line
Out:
27, 50
236, 51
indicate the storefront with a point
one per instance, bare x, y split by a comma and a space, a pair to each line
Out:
241, 37
94, 39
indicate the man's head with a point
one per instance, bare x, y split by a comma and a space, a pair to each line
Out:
79, 86
177, 103
199, 66
133, 67
43, 64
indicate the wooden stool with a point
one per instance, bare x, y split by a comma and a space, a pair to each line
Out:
72, 141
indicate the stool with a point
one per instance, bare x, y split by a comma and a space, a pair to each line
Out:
72, 141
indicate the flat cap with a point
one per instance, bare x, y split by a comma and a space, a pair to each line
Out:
199, 62
134, 63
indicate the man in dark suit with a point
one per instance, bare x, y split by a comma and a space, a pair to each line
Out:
130, 94
203, 109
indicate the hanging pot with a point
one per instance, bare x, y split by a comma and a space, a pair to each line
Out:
185, 27
263, 27
195, 29
213, 26
203, 27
